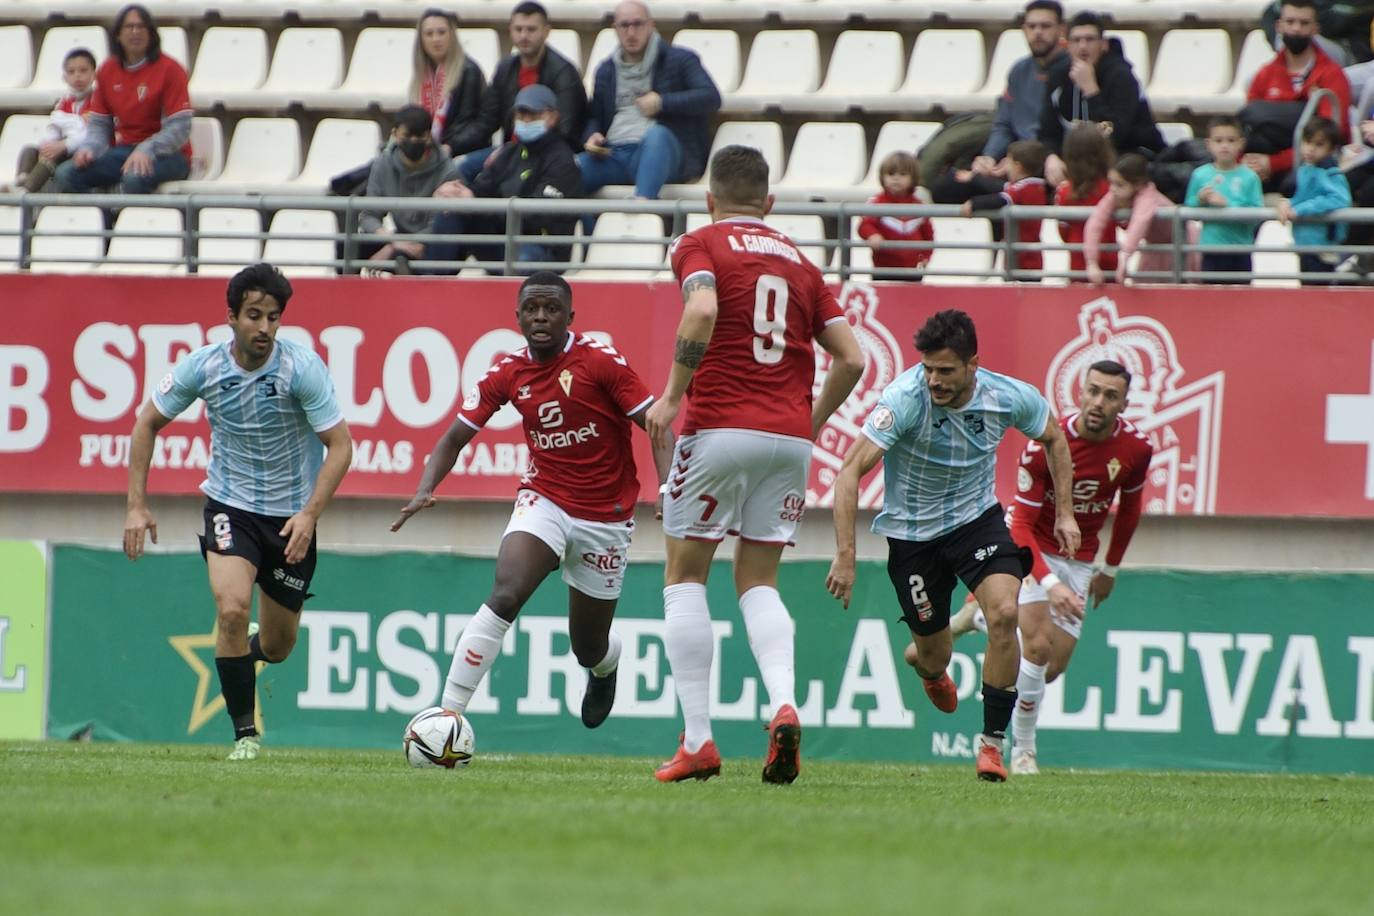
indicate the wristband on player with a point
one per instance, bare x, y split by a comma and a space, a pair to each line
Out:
1049, 581
1110, 571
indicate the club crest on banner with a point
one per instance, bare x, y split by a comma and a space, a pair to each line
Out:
1181, 418
882, 365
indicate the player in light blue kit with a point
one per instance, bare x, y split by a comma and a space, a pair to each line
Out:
936, 429
270, 404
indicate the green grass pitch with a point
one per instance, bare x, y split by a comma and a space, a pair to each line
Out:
151, 829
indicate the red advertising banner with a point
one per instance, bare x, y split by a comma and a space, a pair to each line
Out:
1259, 401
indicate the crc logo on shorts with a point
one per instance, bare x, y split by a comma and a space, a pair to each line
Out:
473, 399
1024, 481
982, 553
793, 506
294, 583
224, 533
550, 415
609, 562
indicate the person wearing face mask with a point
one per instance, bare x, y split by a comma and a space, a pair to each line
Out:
412, 165
1297, 71
537, 163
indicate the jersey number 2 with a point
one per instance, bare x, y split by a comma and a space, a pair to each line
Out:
770, 319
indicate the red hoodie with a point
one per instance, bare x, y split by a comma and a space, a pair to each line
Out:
1272, 84
898, 229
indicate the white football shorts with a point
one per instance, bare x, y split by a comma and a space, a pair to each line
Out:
737, 481
1076, 574
593, 554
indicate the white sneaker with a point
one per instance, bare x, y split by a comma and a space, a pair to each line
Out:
246, 748
966, 620
1023, 763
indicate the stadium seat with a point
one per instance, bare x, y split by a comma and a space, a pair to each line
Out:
207, 149
1175, 131
765, 136
235, 253
484, 47
862, 64
1193, 64
1136, 49
1011, 47
1056, 261
65, 240
175, 45
897, 135
602, 47
956, 229
16, 57
619, 238
1274, 268
9, 239
784, 62
338, 145
825, 155
302, 257
131, 252
944, 63
809, 234
565, 41
20, 130
230, 61
263, 151
378, 73
305, 61
719, 53
47, 86
1255, 52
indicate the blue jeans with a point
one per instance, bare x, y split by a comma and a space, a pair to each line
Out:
470, 166
473, 224
104, 172
648, 165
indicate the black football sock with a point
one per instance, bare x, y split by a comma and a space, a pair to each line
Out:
236, 682
255, 649
997, 707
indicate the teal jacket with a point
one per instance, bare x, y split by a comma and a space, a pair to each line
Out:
1321, 189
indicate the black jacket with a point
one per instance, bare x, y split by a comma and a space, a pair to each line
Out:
689, 95
1119, 100
461, 134
543, 169
498, 101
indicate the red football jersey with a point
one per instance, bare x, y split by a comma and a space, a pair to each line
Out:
1100, 469
140, 98
759, 367
1028, 192
576, 413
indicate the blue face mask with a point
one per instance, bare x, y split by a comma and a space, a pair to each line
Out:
529, 131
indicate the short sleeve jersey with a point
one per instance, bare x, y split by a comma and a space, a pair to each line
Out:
140, 98
940, 465
1100, 470
771, 303
576, 413
264, 449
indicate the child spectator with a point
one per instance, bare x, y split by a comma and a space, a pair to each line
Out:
1225, 182
899, 174
1131, 189
1025, 187
68, 126
1322, 187
1088, 156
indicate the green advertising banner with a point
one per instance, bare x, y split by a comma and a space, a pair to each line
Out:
1178, 670
23, 638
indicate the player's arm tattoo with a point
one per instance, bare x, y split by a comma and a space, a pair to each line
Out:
689, 352
696, 282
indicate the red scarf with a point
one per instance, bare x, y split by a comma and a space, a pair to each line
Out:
433, 100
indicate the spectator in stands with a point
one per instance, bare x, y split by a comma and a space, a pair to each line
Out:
1131, 189
67, 128
142, 103
533, 62
898, 174
1019, 109
1321, 188
537, 164
412, 165
1294, 74
650, 116
1088, 157
447, 83
1025, 187
1358, 162
1225, 182
1100, 87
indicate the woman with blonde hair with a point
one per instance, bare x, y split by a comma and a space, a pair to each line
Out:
447, 83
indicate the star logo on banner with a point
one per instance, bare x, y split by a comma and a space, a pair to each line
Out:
208, 702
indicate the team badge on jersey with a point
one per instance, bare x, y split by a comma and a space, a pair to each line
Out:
882, 418
565, 381
166, 384
1024, 481
1113, 468
473, 399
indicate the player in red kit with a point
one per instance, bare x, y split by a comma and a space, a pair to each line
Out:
752, 305
577, 398
1109, 455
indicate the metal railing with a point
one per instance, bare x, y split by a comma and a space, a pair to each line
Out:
835, 244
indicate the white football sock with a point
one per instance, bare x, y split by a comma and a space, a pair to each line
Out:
1030, 689
473, 657
612, 659
770, 637
690, 646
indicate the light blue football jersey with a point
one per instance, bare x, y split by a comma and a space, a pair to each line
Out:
264, 449
939, 469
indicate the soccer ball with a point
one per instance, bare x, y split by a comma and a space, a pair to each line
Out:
438, 738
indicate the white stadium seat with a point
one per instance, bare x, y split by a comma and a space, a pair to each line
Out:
378, 73
236, 253
130, 252
305, 61
47, 86
339, 145
764, 136
781, 63
808, 232
229, 62
944, 63
864, 63
1136, 50
1274, 268
484, 47
602, 47
616, 240
1255, 52
565, 41
207, 149
897, 135
20, 130
263, 151
1193, 63
175, 45
956, 229
9, 239
719, 53
300, 257
1175, 131
1011, 47
67, 233
16, 57
826, 155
